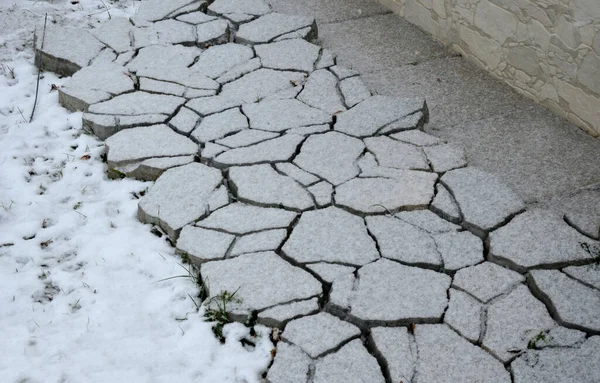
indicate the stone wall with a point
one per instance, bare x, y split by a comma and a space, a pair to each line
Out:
548, 50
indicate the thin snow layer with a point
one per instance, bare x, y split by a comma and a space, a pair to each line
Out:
81, 292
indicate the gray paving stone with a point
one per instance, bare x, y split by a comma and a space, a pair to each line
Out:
296, 173
326, 59
154, 10
196, 6
211, 150
218, 198
239, 18
125, 57
246, 137
308, 130
104, 126
352, 363
66, 49
403, 242
239, 70
150, 169
105, 56
219, 59
394, 154
239, 218
555, 365
290, 364
206, 106
588, 274
261, 241
371, 195
251, 7
321, 91
443, 204
445, 157
305, 33
331, 156
262, 185
354, 91
329, 271
464, 315
417, 137
582, 210
560, 337
261, 280
195, 18
393, 344
295, 54
549, 242
268, 27
256, 85
483, 199
513, 322
575, 305
459, 249
220, 125
318, 334
280, 115
212, 33
387, 292
486, 280
446, 357
287, 93
373, 114
203, 245
164, 32
275, 150
163, 58
136, 144
94, 84
153, 86
179, 197
342, 72
188, 77
116, 33
138, 103
277, 316
185, 121
330, 235
323, 193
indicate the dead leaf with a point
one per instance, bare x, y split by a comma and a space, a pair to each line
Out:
86, 157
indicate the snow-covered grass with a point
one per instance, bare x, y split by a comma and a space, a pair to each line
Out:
81, 294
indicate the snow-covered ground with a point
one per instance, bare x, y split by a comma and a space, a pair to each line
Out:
81, 294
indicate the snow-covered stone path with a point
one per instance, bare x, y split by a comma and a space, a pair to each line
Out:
381, 255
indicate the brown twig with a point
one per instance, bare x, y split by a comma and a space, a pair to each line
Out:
37, 87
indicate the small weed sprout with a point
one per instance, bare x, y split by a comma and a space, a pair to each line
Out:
216, 311
540, 336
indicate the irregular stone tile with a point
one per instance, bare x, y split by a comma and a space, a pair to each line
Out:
417, 296
331, 235
211, 150
446, 357
393, 344
576, 305
154, 10
238, 218
331, 156
184, 121
560, 337
165, 32
411, 122
459, 249
150, 169
261, 280
354, 91
239, 18
443, 204
308, 130
261, 241
218, 198
256, 85
239, 70
219, 125
352, 363
164, 58
138, 103
513, 321
212, 33
549, 242
137, 144
275, 150
484, 200
66, 49
486, 280
251, 7
368, 195
162, 87
296, 173
445, 157
203, 245
94, 84
291, 364
326, 59
323, 193
246, 137
417, 137
394, 154
217, 60
206, 106
328, 271
296, 54
106, 56
195, 18
262, 185
266, 28
197, 6
307, 33
373, 114
464, 315
188, 77
116, 33
588, 274
179, 197
104, 126
318, 334
286, 93
320, 91
342, 72
280, 115
582, 210
555, 365
403, 242
124, 58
